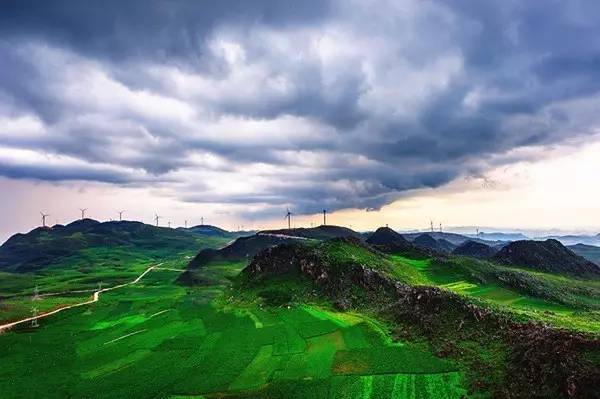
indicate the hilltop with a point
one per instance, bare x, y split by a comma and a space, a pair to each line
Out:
322, 232
494, 345
241, 249
386, 236
475, 249
547, 256
207, 230
454, 238
45, 246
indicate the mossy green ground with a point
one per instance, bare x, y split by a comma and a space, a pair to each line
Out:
563, 305
158, 340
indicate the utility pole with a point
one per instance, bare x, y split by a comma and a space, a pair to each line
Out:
34, 322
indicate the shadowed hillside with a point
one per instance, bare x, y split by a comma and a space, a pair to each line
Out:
547, 256
44, 246
475, 249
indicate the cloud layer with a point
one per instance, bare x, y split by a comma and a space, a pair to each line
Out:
310, 105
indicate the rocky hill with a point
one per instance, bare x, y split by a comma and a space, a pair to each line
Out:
475, 249
242, 249
353, 276
546, 256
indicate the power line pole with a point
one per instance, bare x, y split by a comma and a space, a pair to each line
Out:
34, 322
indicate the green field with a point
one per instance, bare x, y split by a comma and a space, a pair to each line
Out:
558, 300
277, 339
158, 340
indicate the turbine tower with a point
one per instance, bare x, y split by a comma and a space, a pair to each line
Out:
121, 215
201, 221
324, 217
157, 218
185, 222
169, 223
440, 227
288, 216
431, 223
44, 216
83, 212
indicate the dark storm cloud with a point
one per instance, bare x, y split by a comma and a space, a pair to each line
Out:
342, 104
165, 29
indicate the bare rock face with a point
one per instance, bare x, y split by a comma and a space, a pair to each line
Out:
547, 256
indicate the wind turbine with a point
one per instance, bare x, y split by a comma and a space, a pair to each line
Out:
440, 227
202, 221
83, 212
431, 222
121, 215
185, 221
156, 218
44, 216
288, 216
169, 223
324, 217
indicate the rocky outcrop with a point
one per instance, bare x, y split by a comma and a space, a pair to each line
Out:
542, 362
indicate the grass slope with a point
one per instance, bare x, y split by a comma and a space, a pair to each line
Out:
129, 344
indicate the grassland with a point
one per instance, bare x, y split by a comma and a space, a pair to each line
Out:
157, 339
558, 300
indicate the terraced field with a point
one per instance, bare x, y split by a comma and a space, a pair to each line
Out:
157, 339
583, 314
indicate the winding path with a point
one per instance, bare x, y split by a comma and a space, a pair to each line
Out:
95, 298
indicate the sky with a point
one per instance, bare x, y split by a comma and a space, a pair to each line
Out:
465, 113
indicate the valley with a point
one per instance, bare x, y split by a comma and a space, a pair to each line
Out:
309, 315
